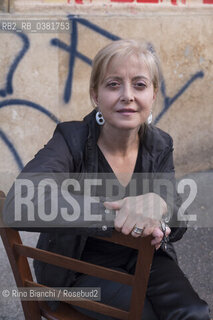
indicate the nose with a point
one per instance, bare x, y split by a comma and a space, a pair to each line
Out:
127, 94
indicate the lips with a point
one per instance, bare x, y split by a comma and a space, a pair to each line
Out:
126, 110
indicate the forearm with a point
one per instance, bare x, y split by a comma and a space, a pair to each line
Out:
36, 208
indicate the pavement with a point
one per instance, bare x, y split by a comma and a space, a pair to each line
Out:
194, 250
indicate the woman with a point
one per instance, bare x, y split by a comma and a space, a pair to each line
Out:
117, 138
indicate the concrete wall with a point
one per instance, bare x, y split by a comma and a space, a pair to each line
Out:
44, 75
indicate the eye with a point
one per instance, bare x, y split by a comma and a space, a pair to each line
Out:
140, 85
113, 84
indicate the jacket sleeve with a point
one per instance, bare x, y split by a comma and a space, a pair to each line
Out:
47, 196
166, 174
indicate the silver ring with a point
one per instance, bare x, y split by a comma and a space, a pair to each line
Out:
163, 226
137, 230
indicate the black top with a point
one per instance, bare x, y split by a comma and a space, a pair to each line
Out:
102, 252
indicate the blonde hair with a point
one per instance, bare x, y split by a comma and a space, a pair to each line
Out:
124, 49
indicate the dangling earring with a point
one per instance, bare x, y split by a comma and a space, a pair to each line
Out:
99, 118
149, 120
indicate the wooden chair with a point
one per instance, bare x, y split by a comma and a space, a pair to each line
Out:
33, 310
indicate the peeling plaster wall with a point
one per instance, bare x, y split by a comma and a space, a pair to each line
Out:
36, 90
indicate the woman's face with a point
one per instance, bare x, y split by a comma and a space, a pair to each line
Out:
126, 95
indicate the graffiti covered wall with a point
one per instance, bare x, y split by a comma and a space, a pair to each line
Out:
46, 62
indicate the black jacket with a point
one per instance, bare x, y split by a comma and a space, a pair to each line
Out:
73, 149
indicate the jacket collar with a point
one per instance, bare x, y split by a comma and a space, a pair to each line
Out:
91, 156
154, 142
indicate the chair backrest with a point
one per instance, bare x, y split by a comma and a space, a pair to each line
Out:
33, 310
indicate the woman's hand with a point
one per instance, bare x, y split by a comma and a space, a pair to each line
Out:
144, 211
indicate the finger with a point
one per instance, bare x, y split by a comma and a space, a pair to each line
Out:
120, 219
128, 226
129, 223
115, 205
156, 241
168, 231
157, 233
157, 246
147, 231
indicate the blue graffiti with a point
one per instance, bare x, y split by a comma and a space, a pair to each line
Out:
169, 101
73, 52
19, 102
9, 83
26, 103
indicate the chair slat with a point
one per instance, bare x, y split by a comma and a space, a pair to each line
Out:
142, 271
89, 304
63, 312
73, 264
